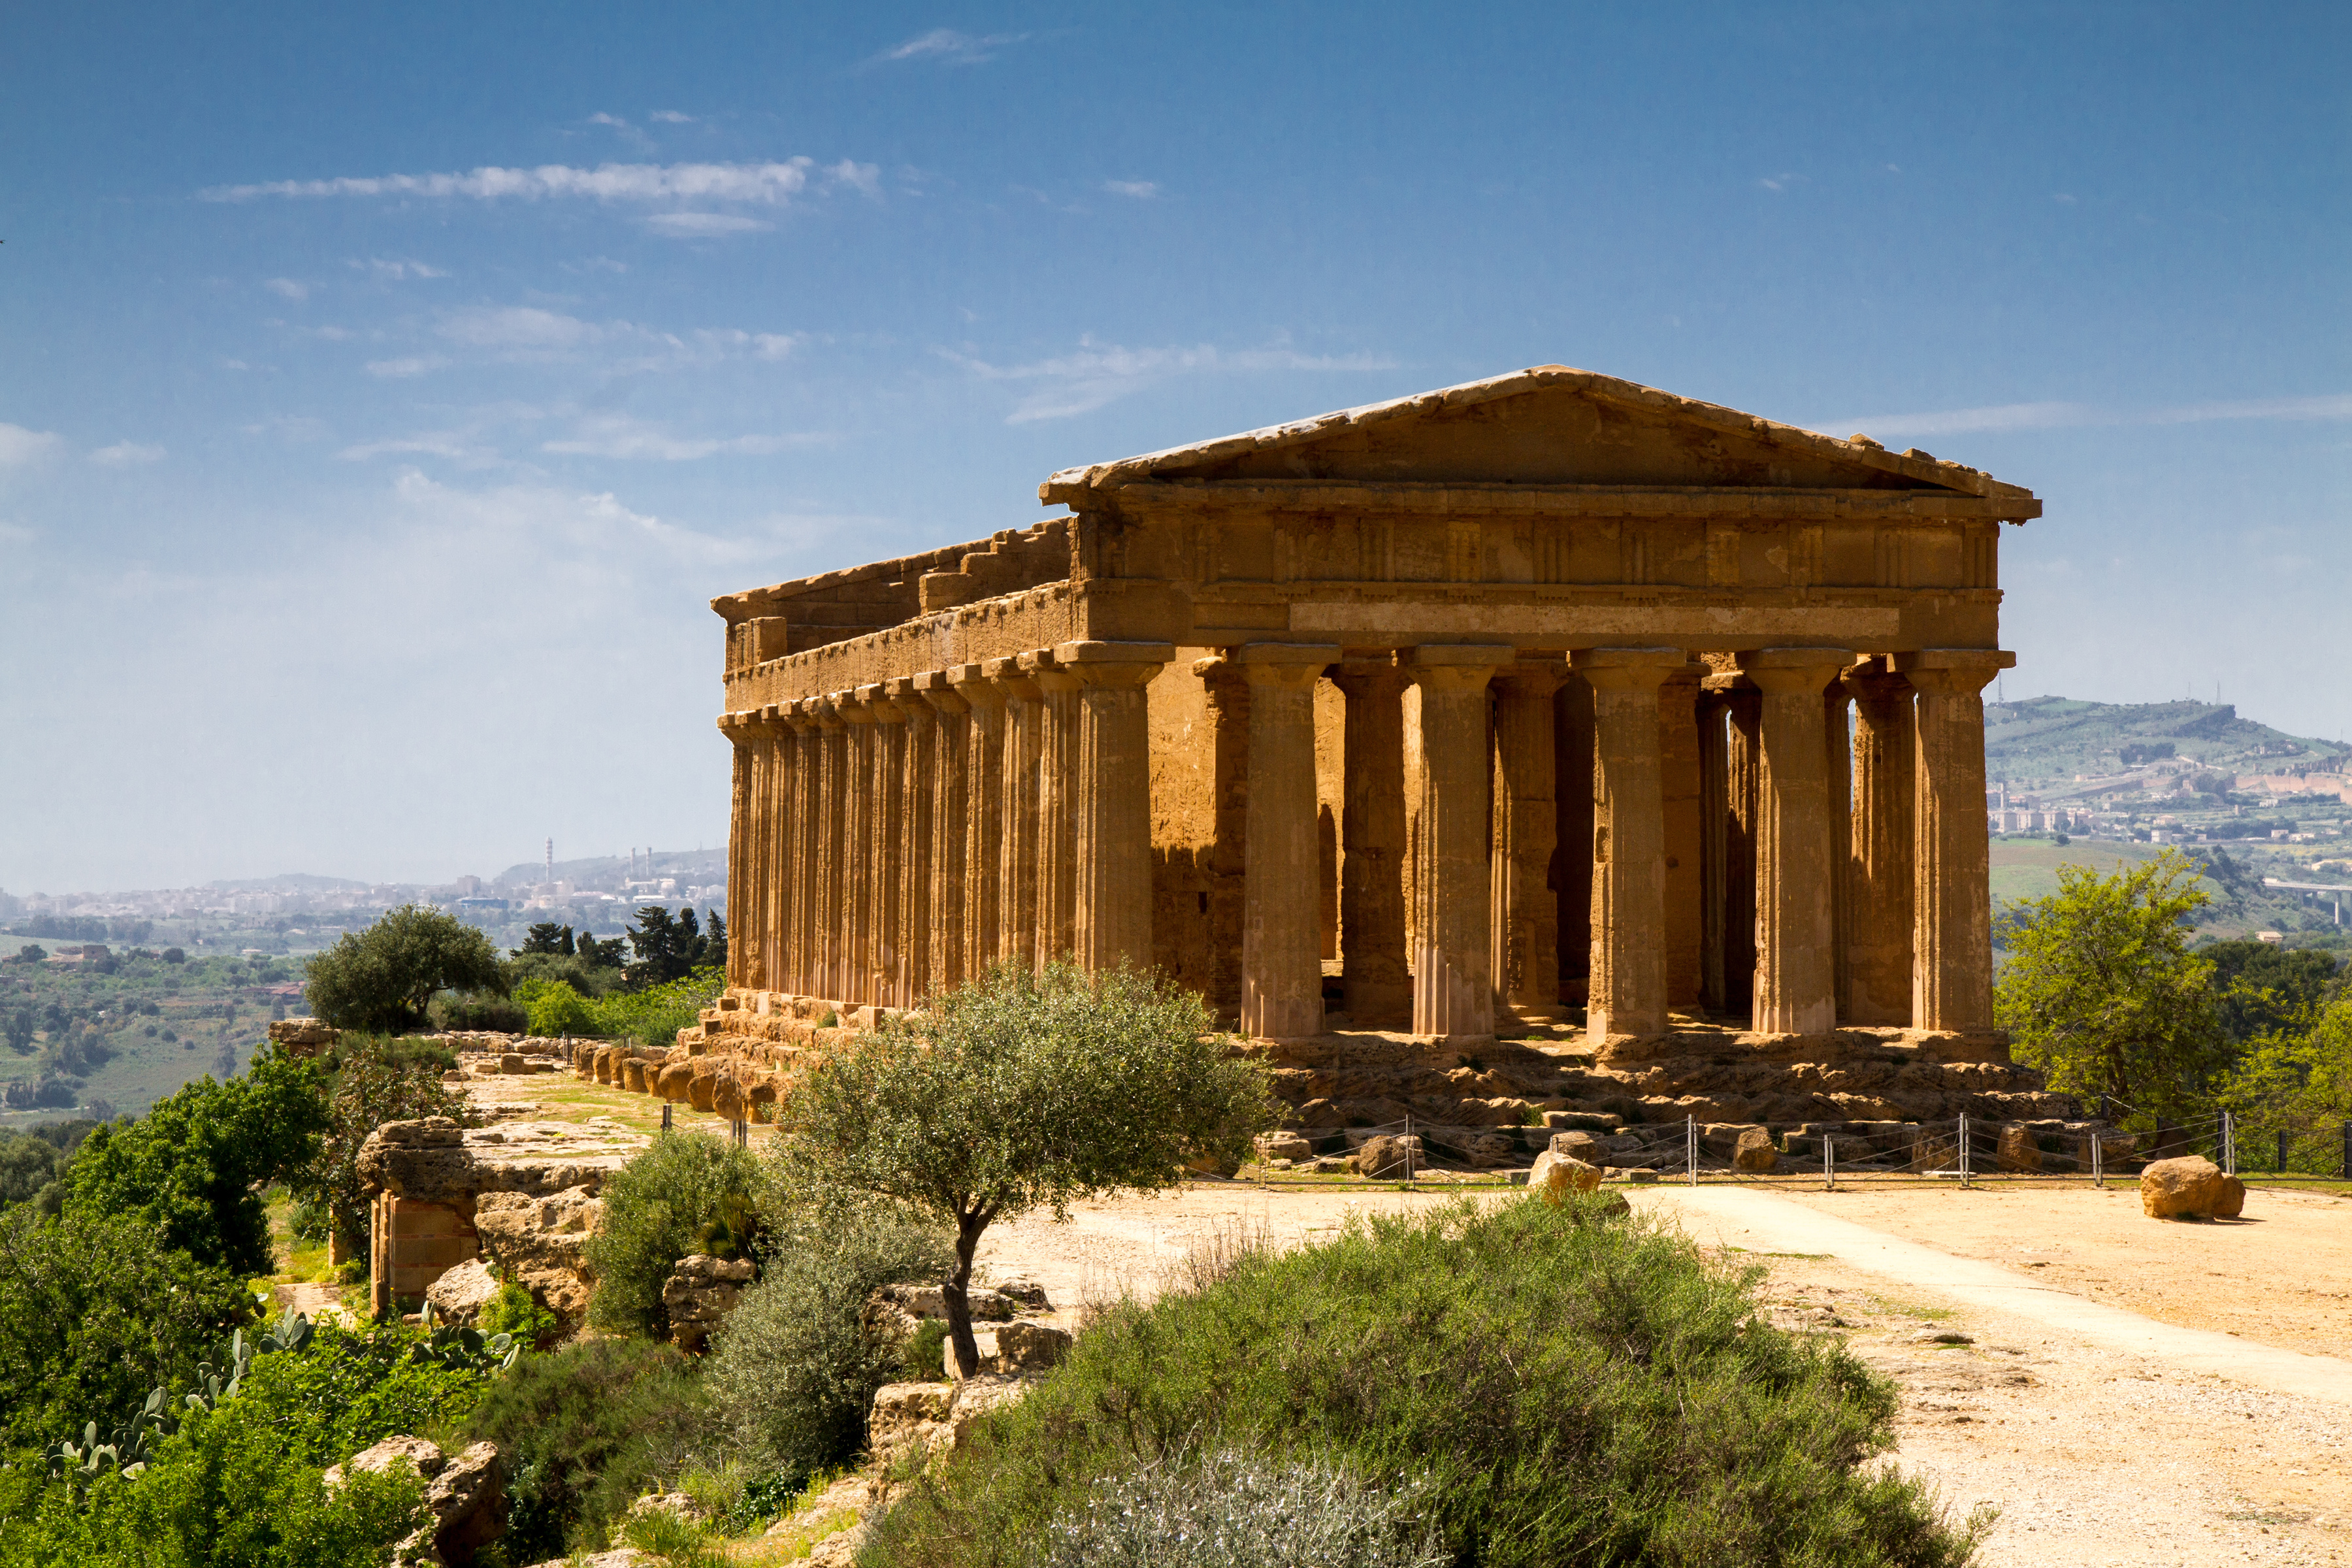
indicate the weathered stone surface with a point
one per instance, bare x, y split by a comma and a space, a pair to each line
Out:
2017, 1151
303, 1036
1754, 1153
1284, 1146
2229, 1199
467, 1501
460, 1295
1581, 1145
1024, 1347
699, 1293
543, 1244
424, 1457
1556, 1175
2189, 1185
1388, 1157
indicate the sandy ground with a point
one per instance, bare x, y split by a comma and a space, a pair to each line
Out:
2093, 1456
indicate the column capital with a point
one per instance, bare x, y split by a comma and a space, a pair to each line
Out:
1874, 680
1114, 664
936, 687
1007, 676
891, 699
1627, 668
1538, 677
1361, 671
737, 728
1456, 667
857, 706
1793, 669
1040, 666
971, 682
826, 710
1952, 671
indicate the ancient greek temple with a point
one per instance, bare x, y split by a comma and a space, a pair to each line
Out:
1440, 716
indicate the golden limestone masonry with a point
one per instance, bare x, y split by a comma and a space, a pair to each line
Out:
1409, 735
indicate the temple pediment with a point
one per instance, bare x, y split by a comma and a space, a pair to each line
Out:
1550, 426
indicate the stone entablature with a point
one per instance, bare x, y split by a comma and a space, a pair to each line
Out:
1306, 696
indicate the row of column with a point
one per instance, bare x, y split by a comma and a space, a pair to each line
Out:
894, 840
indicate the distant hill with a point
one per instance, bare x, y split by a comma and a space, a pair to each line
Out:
303, 880
2048, 738
690, 866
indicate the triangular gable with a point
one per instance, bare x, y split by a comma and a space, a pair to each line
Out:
1548, 425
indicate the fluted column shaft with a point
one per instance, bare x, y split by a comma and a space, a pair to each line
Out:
949, 895
829, 910
1628, 988
1679, 795
1525, 917
1714, 816
1373, 845
1743, 785
1452, 982
1796, 967
1058, 805
1879, 869
1228, 693
1951, 984
889, 845
800, 831
775, 853
1282, 965
1017, 885
1837, 763
984, 819
737, 728
910, 975
1111, 866
861, 819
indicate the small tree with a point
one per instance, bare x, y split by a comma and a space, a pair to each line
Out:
1024, 1091
376, 1081
379, 980
2102, 992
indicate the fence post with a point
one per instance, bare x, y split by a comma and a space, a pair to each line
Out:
1690, 1147
1829, 1162
2098, 1161
1408, 1147
1964, 1149
665, 1115
2229, 1145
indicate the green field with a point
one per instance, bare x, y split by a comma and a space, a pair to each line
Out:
2028, 868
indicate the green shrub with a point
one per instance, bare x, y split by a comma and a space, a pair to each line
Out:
450, 1011
94, 1312
384, 977
352, 1386
585, 1429
1569, 1387
556, 1009
794, 1365
656, 1207
1233, 1510
514, 1310
656, 1014
925, 1358
373, 1080
227, 1491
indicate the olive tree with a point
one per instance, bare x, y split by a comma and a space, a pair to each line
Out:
379, 980
1021, 1090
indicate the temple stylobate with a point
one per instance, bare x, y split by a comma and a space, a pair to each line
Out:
1442, 716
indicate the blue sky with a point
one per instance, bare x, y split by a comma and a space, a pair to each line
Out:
382, 396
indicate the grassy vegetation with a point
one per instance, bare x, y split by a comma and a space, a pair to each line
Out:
1567, 1385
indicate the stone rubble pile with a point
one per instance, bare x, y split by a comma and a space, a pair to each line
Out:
699, 1293
464, 1494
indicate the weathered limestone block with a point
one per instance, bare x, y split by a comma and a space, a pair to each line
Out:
2229, 1201
2018, 1151
424, 1457
1388, 1157
1284, 1146
2189, 1186
699, 1293
467, 1501
1577, 1145
303, 1036
1754, 1153
543, 1244
459, 1295
1557, 1175
671, 1084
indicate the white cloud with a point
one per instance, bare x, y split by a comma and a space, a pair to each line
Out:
1777, 182
527, 332
20, 447
950, 47
126, 455
2072, 415
601, 118
455, 445
16, 533
618, 435
405, 366
703, 225
1141, 190
1101, 374
395, 270
671, 117
519, 327
288, 289
770, 185
865, 177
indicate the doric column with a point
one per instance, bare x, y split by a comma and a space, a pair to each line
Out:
776, 850
801, 832
985, 818
1714, 814
1524, 916
1228, 694
1951, 986
1017, 883
1628, 989
1837, 764
1679, 801
828, 951
949, 895
889, 843
1879, 869
1453, 990
1796, 970
1743, 770
911, 975
1572, 711
1282, 965
1057, 804
1372, 844
1112, 863
861, 784
737, 728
